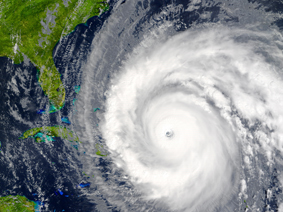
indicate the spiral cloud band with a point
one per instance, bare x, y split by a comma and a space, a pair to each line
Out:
180, 112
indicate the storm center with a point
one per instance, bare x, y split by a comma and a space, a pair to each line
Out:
169, 133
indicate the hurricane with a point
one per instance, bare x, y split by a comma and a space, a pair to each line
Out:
191, 119
169, 118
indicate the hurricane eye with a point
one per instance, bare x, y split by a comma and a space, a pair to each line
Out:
169, 133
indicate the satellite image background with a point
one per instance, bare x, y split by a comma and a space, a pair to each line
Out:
92, 174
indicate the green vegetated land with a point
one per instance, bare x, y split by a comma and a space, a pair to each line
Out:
16, 204
47, 133
32, 28
100, 150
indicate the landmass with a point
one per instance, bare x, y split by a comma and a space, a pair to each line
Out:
31, 29
17, 204
48, 133
99, 147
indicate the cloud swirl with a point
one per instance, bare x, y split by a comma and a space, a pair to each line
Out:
184, 111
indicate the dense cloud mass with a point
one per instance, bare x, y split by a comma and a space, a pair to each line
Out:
176, 113
191, 119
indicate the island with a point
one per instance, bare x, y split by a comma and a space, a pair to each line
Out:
17, 203
48, 133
